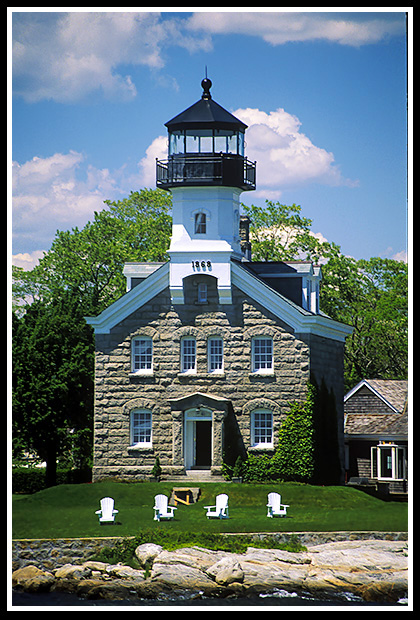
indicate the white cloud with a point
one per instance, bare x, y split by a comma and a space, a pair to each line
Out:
285, 156
48, 195
67, 56
63, 191
279, 27
147, 166
27, 260
401, 256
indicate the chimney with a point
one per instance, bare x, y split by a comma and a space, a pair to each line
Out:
244, 223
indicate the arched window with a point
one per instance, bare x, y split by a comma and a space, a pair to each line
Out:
200, 223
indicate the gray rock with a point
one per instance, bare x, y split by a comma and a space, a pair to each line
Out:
226, 571
70, 571
181, 578
146, 553
376, 570
124, 572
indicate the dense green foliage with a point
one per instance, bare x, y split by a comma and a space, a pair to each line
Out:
307, 449
29, 480
372, 297
53, 347
89, 262
294, 457
53, 383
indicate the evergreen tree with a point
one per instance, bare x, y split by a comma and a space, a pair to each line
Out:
53, 362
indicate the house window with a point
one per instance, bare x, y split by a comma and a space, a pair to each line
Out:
200, 223
142, 355
202, 293
262, 355
262, 429
215, 354
188, 355
390, 461
141, 428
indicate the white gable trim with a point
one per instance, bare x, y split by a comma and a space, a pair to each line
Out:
131, 301
300, 320
365, 383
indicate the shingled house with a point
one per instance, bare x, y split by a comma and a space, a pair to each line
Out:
199, 360
376, 433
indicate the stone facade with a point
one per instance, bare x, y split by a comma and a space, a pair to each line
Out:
227, 399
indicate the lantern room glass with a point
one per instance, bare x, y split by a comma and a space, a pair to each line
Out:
206, 141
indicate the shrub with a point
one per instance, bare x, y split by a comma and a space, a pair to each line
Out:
257, 468
29, 480
157, 469
238, 469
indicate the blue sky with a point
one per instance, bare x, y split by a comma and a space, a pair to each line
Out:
324, 96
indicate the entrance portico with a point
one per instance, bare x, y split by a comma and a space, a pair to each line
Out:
197, 431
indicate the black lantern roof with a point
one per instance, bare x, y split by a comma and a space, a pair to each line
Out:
205, 114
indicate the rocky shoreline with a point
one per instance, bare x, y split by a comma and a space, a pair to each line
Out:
374, 570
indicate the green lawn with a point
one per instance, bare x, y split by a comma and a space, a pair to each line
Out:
68, 511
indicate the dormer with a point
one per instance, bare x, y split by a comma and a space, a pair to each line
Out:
295, 280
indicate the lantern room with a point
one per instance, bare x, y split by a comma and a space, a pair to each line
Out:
206, 147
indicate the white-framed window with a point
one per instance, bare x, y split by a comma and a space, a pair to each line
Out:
215, 354
390, 460
141, 428
202, 293
142, 354
200, 223
262, 354
262, 429
188, 355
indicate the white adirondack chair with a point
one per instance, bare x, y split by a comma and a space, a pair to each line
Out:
161, 508
221, 509
107, 511
275, 507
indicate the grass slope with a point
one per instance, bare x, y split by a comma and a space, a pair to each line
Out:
68, 511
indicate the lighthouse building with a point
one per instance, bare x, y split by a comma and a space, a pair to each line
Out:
198, 362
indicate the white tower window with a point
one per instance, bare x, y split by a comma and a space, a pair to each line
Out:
200, 226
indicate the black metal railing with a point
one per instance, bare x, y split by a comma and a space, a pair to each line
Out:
217, 169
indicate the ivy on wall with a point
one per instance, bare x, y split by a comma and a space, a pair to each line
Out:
307, 449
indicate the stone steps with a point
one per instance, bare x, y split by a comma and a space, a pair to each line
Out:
192, 476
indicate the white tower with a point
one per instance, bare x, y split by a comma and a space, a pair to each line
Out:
206, 171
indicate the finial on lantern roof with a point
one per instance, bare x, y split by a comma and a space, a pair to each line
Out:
206, 85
